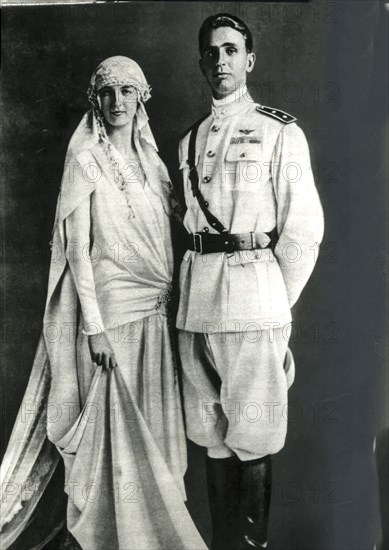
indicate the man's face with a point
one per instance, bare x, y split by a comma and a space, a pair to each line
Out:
225, 61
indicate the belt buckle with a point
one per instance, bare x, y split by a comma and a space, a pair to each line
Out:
200, 240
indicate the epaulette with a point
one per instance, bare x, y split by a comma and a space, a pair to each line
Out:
188, 130
276, 113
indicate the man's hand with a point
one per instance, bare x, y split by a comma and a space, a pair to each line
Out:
101, 351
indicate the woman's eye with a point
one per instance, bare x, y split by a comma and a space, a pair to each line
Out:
128, 91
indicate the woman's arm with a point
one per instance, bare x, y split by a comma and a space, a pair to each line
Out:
78, 227
77, 255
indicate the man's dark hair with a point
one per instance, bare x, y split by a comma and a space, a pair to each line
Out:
225, 20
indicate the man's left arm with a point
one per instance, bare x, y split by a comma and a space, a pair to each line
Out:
300, 221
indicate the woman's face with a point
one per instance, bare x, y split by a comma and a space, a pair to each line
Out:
118, 104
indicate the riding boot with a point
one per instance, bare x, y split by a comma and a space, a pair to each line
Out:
223, 498
255, 493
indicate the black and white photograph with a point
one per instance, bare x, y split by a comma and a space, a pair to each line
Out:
194, 207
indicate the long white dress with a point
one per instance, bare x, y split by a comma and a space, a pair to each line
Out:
120, 432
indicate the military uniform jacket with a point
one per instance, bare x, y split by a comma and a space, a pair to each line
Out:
255, 172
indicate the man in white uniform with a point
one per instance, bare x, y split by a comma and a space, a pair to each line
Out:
255, 222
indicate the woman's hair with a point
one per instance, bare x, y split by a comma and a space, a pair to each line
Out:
225, 20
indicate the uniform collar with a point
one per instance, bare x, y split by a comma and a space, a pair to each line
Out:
231, 104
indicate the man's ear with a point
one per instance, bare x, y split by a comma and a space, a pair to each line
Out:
251, 57
201, 63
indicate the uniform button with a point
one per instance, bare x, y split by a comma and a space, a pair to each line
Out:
206, 203
213, 224
225, 242
206, 179
210, 154
205, 229
274, 112
215, 128
284, 116
243, 155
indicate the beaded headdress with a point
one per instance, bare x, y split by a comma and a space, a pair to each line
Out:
118, 70
91, 130
111, 71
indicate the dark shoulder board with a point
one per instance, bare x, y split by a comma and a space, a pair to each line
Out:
276, 113
196, 124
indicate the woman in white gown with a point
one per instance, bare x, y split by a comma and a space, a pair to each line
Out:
116, 421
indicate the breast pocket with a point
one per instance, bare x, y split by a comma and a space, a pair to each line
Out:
245, 160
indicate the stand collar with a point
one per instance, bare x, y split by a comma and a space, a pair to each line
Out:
232, 104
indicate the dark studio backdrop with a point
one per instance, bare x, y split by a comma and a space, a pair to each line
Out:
325, 63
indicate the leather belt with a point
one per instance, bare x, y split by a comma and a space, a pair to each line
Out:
209, 243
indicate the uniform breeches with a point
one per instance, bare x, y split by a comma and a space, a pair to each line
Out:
235, 391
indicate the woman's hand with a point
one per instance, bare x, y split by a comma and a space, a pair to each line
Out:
101, 351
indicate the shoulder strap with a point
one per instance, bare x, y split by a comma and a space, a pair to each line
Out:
286, 118
194, 180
